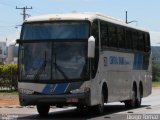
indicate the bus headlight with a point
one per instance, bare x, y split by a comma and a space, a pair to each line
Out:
80, 90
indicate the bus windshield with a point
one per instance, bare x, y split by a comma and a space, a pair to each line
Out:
56, 60
55, 30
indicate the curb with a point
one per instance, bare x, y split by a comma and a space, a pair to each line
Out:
17, 106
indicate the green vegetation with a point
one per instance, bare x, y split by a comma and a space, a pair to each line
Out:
6, 69
8, 93
156, 72
156, 84
8, 77
156, 75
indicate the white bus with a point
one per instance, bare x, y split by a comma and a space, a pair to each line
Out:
84, 60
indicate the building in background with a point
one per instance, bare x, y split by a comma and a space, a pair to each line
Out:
3, 52
12, 54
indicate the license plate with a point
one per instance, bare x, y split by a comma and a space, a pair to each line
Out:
74, 100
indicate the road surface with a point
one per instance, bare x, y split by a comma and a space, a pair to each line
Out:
150, 110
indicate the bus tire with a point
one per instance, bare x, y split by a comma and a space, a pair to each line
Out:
100, 108
131, 103
43, 110
139, 97
80, 108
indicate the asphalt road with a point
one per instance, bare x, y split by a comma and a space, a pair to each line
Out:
150, 110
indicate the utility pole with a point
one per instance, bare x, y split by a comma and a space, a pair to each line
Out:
24, 11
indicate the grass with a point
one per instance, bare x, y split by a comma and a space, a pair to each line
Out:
156, 84
8, 93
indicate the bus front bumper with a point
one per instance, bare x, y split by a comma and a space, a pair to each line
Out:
65, 99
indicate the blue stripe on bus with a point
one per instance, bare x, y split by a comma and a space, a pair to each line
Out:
61, 88
49, 88
138, 61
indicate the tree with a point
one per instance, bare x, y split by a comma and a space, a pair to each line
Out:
156, 71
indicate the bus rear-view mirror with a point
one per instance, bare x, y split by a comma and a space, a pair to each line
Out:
91, 47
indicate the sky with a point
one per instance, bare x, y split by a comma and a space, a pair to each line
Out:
145, 12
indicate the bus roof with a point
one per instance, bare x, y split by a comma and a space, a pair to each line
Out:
80, 16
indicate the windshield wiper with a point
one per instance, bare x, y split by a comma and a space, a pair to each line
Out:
59, 69
42, 68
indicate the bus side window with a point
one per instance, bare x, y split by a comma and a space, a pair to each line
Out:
147, 42
112, 30
121, 37
94, 30
140, 42
128, 39
95, 33
146, 50
104, 34
135, 40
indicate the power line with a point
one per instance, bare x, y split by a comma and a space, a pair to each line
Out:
24, 11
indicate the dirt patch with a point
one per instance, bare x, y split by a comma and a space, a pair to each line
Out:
9, 100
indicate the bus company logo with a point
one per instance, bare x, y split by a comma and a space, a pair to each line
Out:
105, 61
115, 60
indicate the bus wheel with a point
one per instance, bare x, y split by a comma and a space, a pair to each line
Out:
80, 108
139, 98
43, 109
131, 103
100, 108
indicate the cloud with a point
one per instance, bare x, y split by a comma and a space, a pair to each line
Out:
155, 38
